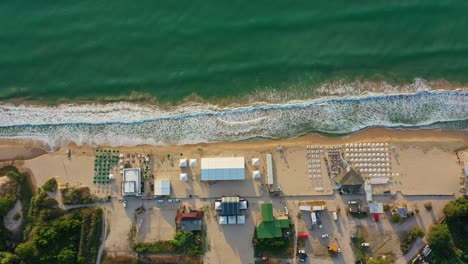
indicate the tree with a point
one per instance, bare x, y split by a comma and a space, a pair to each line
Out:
440, 240
67, 256
456, 209
26, 250
396, 218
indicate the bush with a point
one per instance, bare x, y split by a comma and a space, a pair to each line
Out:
415, 233
17, 216
428, 206
386, 207
81, 195
396, 218
189, 243
50, 185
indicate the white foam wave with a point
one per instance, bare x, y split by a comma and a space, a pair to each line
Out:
129, 124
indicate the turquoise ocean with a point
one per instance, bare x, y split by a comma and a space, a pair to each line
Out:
58, 53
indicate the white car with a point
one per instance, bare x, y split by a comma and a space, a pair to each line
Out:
365, 245
125, 204
324, 235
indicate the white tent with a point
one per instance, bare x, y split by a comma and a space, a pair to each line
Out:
255, 162
111, 177
183, 177
183, 163
193, 163
256, 174
223, 220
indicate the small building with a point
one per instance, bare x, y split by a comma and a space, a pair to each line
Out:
402, 211
270, 227
230, 210
376, 208
162, 188
191, 221
193, 163
269, 161
222, 169
349, 181
183, 177
131, 182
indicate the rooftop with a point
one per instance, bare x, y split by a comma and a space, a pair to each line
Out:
271, 227
350, 177
131, 182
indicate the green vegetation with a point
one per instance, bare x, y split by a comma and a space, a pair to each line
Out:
386, 207
10, 191
396, 218
359, 251
50, 185
189, 243
79, 195
448, 241
56, 236
281, 247
415, 233
8, 258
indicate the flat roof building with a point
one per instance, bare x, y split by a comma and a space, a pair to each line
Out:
162, 188
222, 169
131, 182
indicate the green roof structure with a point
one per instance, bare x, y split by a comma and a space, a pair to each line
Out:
271, 227
267, 213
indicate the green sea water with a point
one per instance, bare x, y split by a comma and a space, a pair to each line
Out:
92, 50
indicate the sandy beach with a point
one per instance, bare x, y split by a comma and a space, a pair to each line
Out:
424, 166
420, 151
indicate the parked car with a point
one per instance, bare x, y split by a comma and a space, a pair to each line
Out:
160, 201
324, 235
125, 204
352, 202
286, 211
302, 255
365, 245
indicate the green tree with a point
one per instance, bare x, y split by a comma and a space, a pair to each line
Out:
396, 218
67, 256
26, 250
440, 240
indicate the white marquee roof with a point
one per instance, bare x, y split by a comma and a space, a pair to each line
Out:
162, 187
183, 177
183, 163
222, 169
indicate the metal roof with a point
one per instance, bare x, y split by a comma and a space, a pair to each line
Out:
162, 187
131, 182
222, 169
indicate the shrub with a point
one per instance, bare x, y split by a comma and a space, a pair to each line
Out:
416, 211
428, 206
17, 216
50, 185
386, 207
396, 218
81, 195
417, 232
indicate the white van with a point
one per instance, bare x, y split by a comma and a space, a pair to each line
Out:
314, 218
335, 216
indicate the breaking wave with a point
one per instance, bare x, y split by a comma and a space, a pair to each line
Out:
125, 124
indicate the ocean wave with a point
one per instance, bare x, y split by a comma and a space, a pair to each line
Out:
125, 124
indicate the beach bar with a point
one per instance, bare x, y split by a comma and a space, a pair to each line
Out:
131, 182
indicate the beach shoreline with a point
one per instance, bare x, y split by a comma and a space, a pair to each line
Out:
23, 149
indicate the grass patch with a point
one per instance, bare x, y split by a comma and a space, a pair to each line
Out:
188, 243
79, 195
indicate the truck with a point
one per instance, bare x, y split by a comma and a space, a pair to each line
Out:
314, 218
